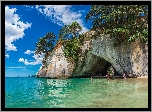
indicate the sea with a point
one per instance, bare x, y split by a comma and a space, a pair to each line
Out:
32, 92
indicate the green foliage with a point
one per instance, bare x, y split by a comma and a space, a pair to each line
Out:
45, 45
70, 31
72, 49
75, 28
64, 32
123, 22
72, 46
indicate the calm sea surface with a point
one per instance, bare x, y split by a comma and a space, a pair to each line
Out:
75, 93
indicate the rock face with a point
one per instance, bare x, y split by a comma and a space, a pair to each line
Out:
91, 65
97, 55
132, 59
57, 64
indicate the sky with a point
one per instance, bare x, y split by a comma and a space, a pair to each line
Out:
25, 24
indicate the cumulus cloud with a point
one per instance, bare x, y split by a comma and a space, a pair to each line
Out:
14, 28
6, 55
21, 60
28, 52
38, 60
61, 14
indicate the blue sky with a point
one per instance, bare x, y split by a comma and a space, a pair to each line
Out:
25, 24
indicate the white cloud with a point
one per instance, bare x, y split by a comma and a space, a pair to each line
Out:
21, 60
28, 52
28, 7
14, 28
61, 14
6, 55
38, 60
16, 67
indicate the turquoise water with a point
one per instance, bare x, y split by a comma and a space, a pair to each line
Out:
75, 93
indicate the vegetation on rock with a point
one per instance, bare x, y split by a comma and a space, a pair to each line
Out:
45, 45
124, 23
70, 31
72, 50
71, 47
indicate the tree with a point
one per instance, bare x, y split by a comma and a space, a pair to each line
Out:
123, 22
75, 28
49, 39
72, 46
70, 31
40, 46
45, 45
64, 32
72, 49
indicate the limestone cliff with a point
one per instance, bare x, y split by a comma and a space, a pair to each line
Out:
132, 59
98, 54
57, 65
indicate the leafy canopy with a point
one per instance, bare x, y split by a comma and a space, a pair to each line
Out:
45, 45
124, 22
72, 46
72, 49
70, 31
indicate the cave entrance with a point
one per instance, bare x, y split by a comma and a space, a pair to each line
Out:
100, 67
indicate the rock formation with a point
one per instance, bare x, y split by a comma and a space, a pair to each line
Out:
97, 55
57, 65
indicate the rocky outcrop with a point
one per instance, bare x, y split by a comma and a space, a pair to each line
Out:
91, 65
97, 55
57, 65
132, 59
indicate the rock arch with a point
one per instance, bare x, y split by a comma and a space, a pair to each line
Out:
97, 55
130, 58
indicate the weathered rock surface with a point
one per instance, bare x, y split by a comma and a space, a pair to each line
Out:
97, 55
57, 65
91, 65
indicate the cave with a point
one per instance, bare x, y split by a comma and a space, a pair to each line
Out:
93, 65
100, 68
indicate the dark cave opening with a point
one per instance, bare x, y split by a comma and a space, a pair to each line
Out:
100, 68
